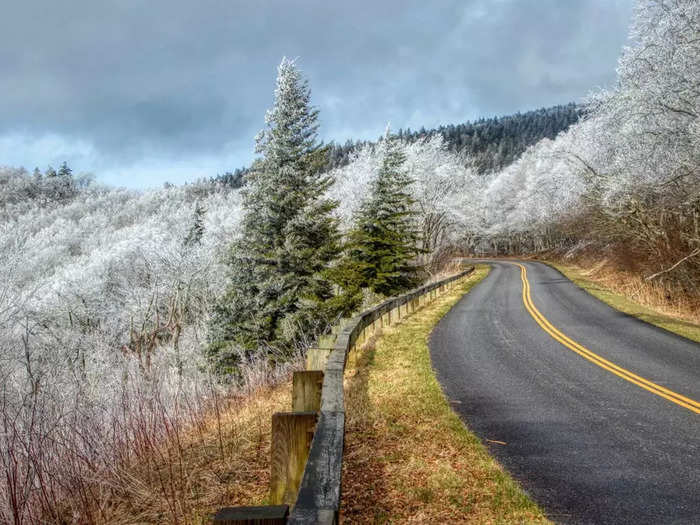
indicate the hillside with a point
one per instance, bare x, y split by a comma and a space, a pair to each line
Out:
490, 143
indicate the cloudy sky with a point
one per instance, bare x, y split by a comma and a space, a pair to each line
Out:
140, 92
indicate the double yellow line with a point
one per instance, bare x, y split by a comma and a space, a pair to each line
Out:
584, 352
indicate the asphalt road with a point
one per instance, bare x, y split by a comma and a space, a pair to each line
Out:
588, 445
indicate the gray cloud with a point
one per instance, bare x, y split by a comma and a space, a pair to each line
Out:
142, 91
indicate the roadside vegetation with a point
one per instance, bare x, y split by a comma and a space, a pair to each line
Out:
189, 475
409, 458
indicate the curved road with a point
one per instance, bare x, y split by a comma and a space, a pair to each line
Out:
609, 436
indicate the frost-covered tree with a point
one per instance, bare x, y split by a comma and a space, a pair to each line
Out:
384, 242
103, 322
278, 285
626, 178
445, 189
194, 236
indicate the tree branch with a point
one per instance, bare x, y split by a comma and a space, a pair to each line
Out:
695, 252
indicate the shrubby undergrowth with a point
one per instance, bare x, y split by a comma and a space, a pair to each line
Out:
104, 305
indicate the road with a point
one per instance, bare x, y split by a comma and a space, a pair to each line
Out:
594, 412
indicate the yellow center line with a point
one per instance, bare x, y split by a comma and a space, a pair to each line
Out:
584, 352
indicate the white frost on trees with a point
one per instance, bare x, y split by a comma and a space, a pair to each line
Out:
103, 313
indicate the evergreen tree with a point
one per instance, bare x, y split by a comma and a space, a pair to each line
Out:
383, 244
194, 236
64, 170
278, 266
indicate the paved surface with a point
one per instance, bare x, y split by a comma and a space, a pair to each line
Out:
587, 445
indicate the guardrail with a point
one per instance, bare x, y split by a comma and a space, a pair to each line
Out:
307, 443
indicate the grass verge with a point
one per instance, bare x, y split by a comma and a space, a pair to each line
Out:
620, 301
408, 456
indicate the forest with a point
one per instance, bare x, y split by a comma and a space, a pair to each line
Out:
126, 316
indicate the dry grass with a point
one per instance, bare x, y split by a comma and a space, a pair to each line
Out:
408, 457
223, 462
631, 293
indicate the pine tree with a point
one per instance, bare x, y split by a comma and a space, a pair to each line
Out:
278, 267
383, 243
194, 236
64, 170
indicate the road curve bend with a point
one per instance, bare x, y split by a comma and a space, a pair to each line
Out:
594, 412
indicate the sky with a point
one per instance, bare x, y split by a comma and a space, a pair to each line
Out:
140, 92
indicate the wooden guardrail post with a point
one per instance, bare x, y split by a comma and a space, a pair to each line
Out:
306, 390
291, 439
339, 326
326, 341
316, 358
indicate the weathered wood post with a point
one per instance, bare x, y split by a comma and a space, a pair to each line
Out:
291, 439
316, 358
306, 391
340, 326
326, 341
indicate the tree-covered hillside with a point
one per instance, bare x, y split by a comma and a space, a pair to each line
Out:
490, 143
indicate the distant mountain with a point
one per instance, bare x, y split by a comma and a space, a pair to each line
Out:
493, 143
